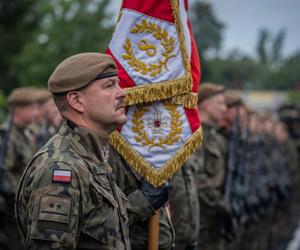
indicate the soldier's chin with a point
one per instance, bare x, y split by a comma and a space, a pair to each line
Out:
123, 120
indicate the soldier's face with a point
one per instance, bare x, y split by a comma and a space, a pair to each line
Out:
26, 114
216, 108
103, 103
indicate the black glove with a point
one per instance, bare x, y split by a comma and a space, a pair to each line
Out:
157, 197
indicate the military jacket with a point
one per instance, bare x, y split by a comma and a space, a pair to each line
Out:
209, 170
68, 198
184, 206
209, 166
20, 149
140, 209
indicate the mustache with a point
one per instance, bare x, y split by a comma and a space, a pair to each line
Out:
120, 104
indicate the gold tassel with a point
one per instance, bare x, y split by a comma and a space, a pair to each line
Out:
189, 101
179, 26
158, 91
156, 176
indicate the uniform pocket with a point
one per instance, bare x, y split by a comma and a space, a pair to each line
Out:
102, 224
101, 192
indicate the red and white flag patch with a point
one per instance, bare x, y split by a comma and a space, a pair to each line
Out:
63, 176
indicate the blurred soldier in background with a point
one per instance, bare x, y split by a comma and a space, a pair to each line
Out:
290, 116
234, 132
48, 120
19, 147
184, 206
209, 168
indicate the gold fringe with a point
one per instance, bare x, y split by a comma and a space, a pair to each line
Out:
189, 100
179, 26
156, 176
157, 91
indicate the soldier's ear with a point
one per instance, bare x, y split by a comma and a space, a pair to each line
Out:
75, 101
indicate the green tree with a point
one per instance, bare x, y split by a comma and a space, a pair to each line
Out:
206, 27
67, 27
18, 20
262, 46
277, 45
287, 76
234, 71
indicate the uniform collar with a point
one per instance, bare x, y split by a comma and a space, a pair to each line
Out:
86, 142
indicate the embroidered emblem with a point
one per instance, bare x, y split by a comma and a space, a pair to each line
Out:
168, 43
104, 149
157, 123
55, 208
63, 176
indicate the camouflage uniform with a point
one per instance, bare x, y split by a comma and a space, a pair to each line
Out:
184, 206
209, 167
129, 181
68, 198
42, 132
21, 148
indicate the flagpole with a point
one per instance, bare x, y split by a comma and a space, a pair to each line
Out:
153, 232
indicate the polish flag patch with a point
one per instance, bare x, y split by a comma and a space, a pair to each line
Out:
63, 176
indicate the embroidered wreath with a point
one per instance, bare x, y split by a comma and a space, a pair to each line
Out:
145, 140
160, 34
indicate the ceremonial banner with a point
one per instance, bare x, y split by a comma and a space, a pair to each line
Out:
159, 67
155, 52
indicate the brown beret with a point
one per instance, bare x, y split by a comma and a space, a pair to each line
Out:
42, 95
79, 70
22, 96
232, 99
208, 90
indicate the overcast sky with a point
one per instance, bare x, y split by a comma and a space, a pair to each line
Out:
244, 18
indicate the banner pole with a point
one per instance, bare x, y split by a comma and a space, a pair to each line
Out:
153, 232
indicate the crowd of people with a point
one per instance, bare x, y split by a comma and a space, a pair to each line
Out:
64, 187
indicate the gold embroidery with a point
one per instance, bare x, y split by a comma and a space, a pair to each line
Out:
156, 176
160, 34
145, 140
149, 48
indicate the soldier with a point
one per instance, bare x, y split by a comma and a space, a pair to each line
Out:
21, 145
48, 120
209, 164
19, 149
67, 196
184, 207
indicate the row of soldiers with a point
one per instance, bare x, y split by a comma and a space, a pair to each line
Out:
236, 181
32, 119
